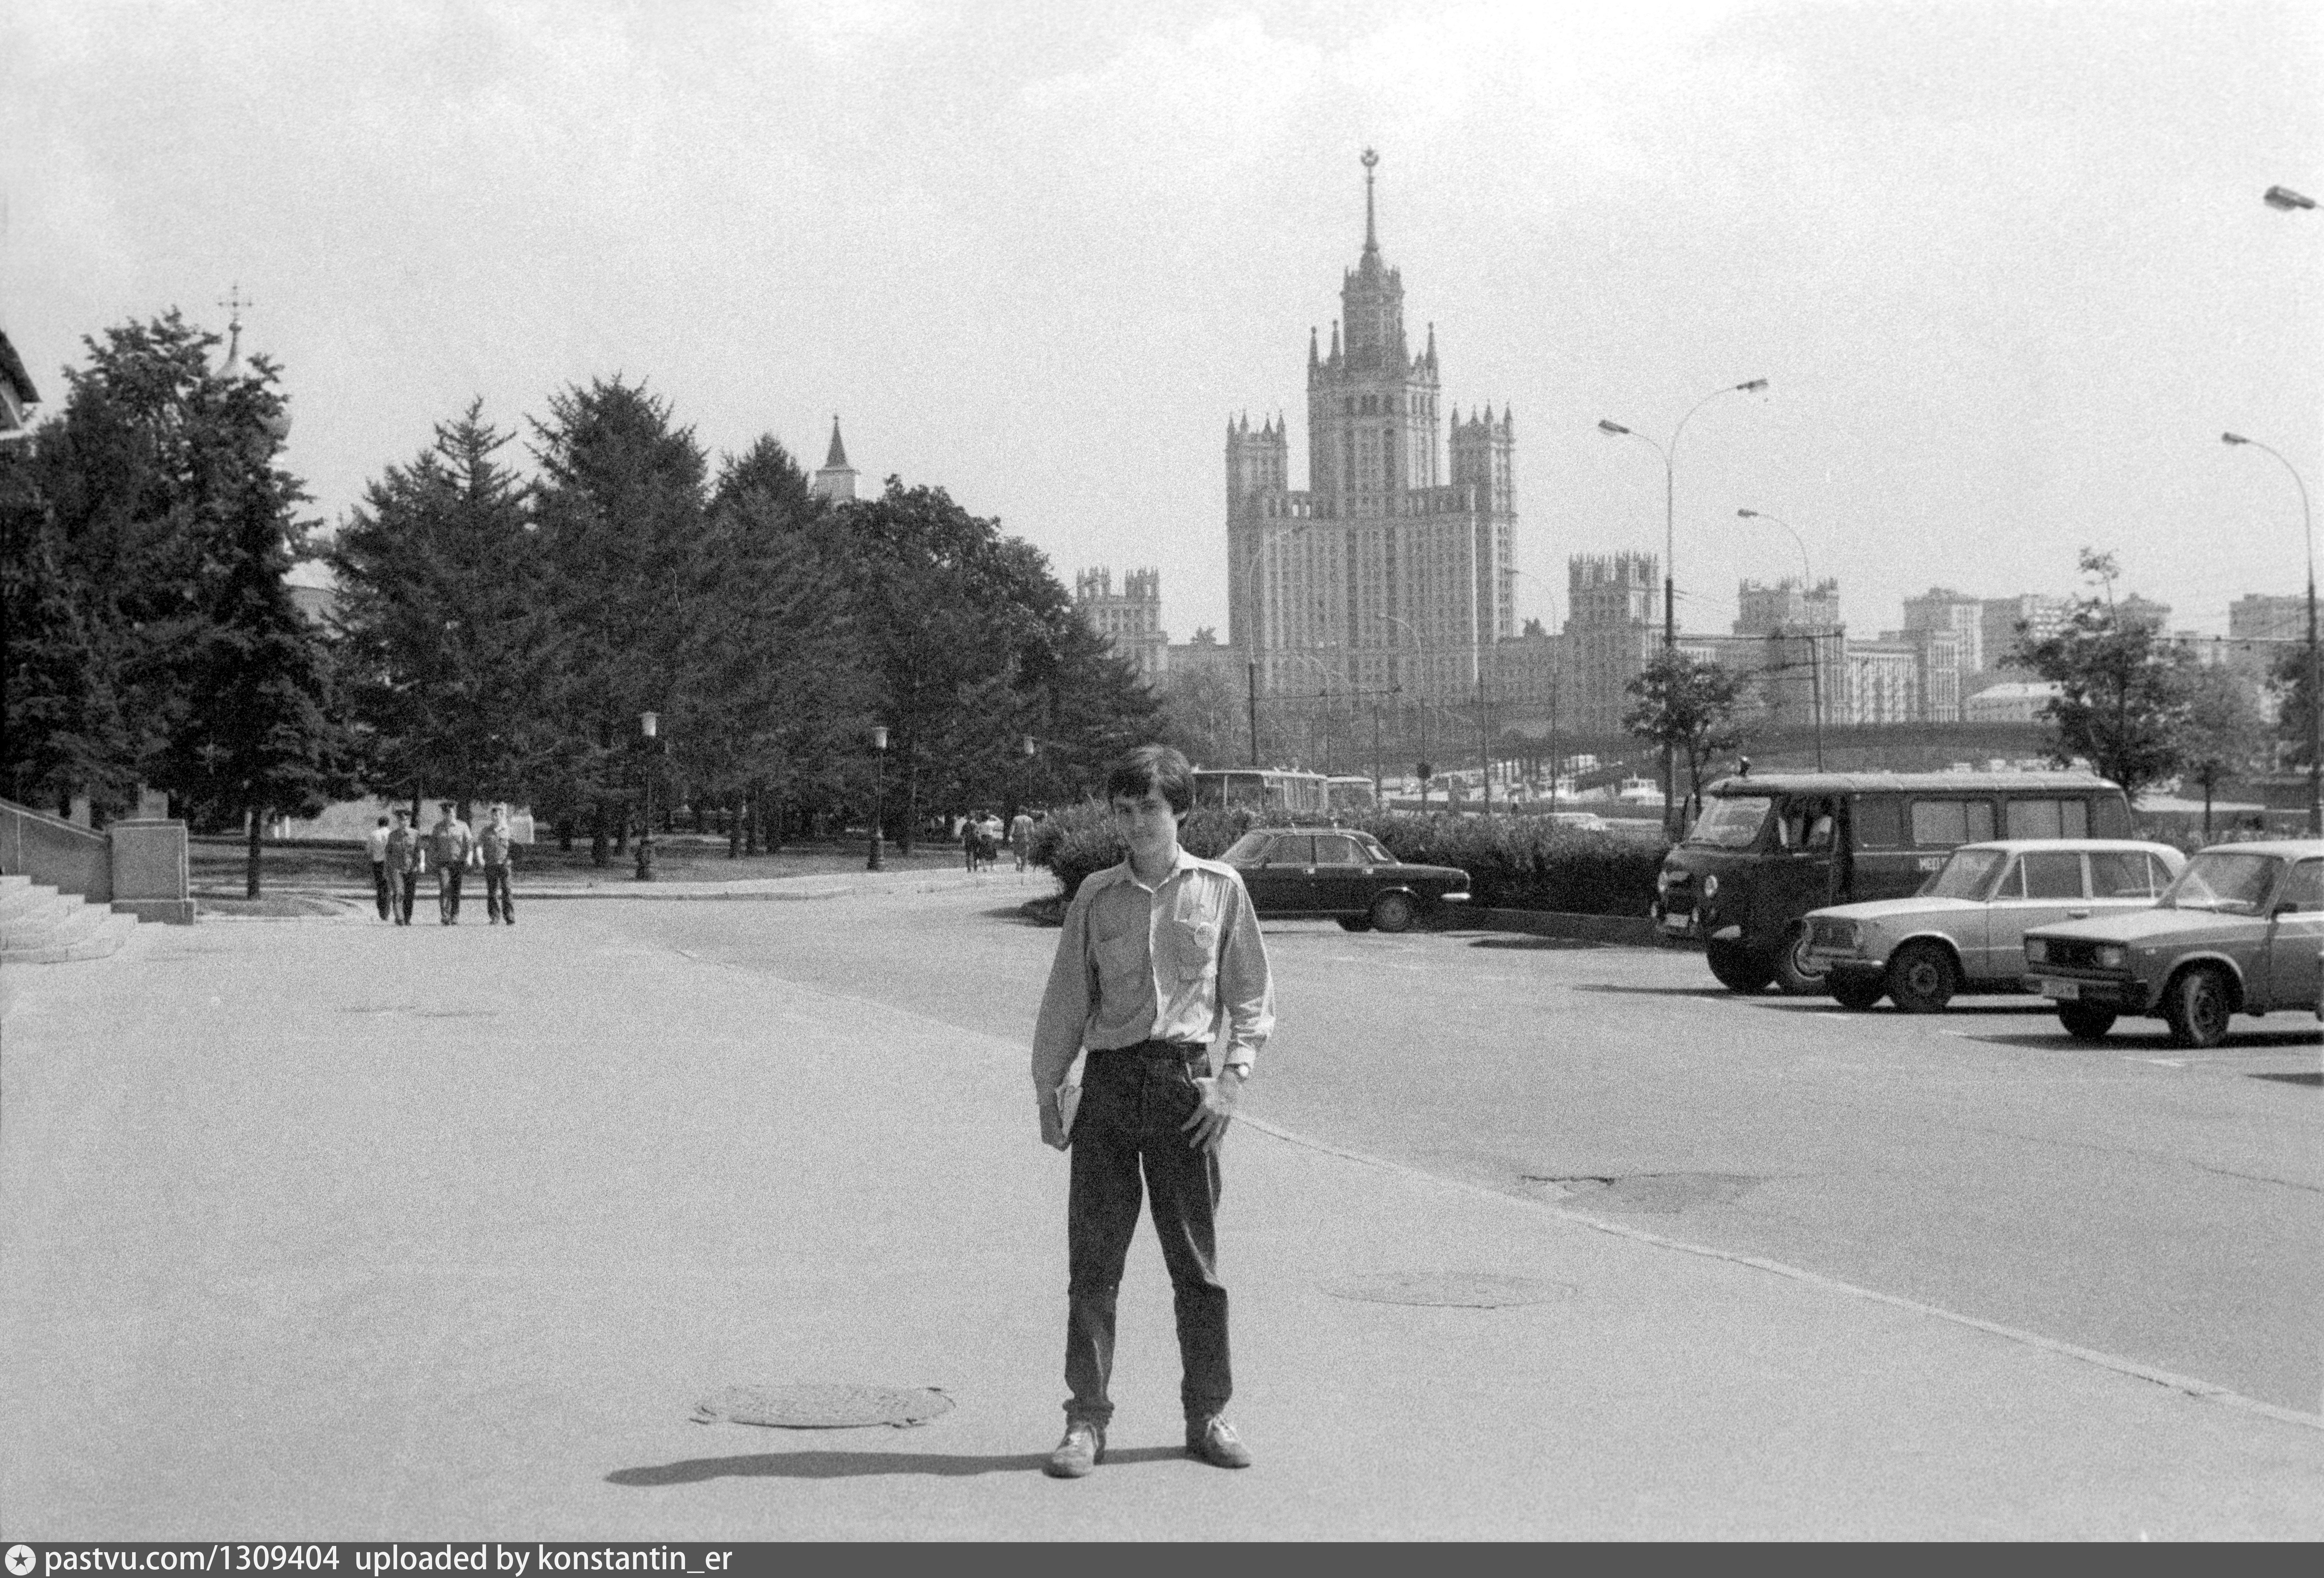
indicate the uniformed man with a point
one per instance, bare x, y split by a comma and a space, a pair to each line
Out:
450, 845
495, 843
407, 857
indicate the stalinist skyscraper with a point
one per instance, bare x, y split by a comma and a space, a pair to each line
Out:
1386, 571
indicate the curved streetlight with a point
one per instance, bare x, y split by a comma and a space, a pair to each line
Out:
2285, 198
1815, 651
1670, 571
2315, 662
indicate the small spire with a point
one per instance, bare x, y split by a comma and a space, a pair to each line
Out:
233, 303
1335, 339
838, 459
1311, 357
1372, 240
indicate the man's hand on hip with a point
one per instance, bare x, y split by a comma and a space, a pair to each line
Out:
1208, 1126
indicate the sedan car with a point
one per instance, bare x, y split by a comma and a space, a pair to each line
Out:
1965, 929
2239, 932
1339, 874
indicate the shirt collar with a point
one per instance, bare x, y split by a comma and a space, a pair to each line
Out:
1184, 863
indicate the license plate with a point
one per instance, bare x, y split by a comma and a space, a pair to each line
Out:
1675, 922
2065, 991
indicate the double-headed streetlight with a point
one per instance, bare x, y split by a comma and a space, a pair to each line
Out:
1420, 698
1670, 592
2315, 662
1815, 637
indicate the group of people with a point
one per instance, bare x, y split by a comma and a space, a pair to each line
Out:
981, 834
400, 853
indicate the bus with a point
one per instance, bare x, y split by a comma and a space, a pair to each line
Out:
1353, 792
1263, 790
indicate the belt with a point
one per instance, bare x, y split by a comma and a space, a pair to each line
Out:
1180, 1049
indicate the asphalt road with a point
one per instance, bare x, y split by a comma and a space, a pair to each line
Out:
2161, 1206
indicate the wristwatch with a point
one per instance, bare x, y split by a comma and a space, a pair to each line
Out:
1240, 1070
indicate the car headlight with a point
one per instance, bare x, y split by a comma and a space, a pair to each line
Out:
2111, 957
1710, 887
2037, 952
1662, 882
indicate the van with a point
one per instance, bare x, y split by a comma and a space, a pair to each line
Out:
1768, 848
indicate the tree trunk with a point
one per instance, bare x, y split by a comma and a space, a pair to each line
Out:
598, 856
2206, 807
565, 833
257, 832
911, 798
734, 826
751, 820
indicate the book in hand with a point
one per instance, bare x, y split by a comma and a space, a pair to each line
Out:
1069, 1102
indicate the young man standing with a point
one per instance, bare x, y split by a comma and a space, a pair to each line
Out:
376, 845
449, 843
1021, 837
406, 859
495, 843
1159, 952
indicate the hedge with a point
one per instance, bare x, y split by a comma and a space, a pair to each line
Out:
1513, 862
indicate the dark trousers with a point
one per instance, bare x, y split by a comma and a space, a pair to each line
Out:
498, 904
407, 890
385, 889
1132, 1103
447, 893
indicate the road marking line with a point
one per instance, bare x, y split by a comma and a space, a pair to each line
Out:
2205, 1390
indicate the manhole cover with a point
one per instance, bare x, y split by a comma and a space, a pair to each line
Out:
1647, 1194
822, 1408
1460, 1289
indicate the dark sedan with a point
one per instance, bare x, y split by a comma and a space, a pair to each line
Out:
1338, 874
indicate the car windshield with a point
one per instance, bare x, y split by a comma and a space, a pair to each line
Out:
1964, 875
1248, 850
2224, 880
1731, 821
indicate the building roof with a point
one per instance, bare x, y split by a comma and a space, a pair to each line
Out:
837, 459
1854, 782
12, 368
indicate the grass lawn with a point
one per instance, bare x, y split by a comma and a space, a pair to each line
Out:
218, 863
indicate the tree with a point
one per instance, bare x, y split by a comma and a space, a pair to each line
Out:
2122, 703
1203, 714
66, 734
2224, 732
446, 654
1685, 705
262, 737
621, 516
2289, 677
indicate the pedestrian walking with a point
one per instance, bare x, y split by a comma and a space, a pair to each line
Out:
988, 838
451, 845
968, 834
1159, 954
495, 843
375, 846
1021, 837
407, 857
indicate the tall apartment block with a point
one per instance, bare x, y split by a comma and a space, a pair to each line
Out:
1998, 618
1611, 633
1390, 570
1942, 608
1131, 621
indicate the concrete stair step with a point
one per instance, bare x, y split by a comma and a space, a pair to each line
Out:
63, 921
107, 936
22, 896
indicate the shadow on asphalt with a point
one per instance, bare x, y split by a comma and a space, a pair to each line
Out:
1534, 942
2254, 1042
2293, 1078
1826, 1005
851, 1465
1658, 990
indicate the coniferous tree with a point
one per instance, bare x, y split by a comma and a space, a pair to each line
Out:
445, 648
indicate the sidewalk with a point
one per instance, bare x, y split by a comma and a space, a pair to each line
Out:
300, 1246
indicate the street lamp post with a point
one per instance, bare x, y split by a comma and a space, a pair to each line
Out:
2315, 654
1418, 653
1670, 536
1815, 637
879, 793
649, 727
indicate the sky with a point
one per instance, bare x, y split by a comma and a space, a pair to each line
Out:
2004, 266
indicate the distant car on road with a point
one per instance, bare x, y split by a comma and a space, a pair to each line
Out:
1339, 874
2239, 932
1965, 929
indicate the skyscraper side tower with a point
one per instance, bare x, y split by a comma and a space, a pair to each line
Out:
1388, 569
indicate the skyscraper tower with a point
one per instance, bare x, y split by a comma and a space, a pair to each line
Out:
1387, 570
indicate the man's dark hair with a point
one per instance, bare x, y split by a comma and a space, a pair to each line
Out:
1159, 768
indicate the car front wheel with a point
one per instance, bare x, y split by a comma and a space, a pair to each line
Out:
1920, 978
1394, 912
2084, 1022
2197, 1005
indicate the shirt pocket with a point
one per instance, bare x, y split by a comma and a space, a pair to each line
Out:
1193, 951
1121, 969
